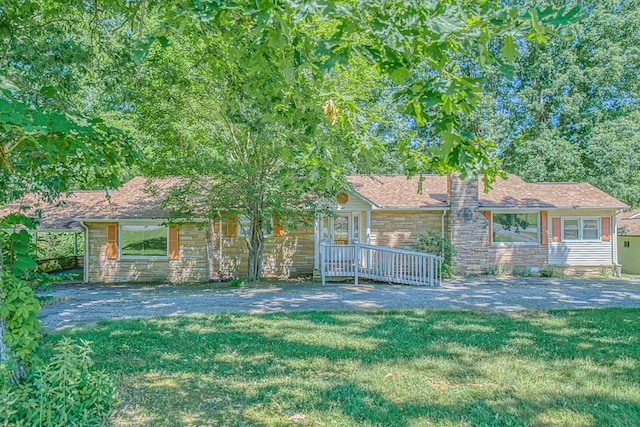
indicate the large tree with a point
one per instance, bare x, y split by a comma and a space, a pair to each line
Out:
53, 138
570, 113
246, 125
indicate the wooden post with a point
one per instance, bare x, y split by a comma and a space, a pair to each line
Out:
323, 256
356, 250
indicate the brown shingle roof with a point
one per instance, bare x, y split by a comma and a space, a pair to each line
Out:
629, 223
139, 198
515, 193
396, 191
61, 214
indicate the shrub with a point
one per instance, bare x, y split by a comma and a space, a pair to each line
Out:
521, 272
64, 392
496, 270
547, 272
432, 242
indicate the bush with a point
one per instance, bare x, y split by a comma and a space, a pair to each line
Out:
431, 242
496, 270
64, 392
521, 272
547, 272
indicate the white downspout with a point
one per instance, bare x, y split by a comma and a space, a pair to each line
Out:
85, 268
442, 224
368, 224
614, 249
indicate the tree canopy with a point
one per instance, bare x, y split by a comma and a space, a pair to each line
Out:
570, 112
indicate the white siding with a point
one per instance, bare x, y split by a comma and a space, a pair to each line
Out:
580, 253
355, 203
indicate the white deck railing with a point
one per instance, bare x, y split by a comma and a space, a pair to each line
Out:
379, 263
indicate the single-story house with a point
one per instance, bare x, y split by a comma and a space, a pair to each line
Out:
629, 241
567, 226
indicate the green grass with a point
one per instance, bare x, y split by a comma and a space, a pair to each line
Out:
393, 368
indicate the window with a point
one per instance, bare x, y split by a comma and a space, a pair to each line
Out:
243, 226
516, 228
626, 244
580, 228
590, 229
571, 229
144, 240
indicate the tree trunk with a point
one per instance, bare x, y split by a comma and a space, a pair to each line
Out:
255, 244
213, 251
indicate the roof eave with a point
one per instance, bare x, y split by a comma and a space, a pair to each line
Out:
414, 208
553, 207
120, 219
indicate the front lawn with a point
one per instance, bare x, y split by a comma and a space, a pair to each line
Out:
392, 368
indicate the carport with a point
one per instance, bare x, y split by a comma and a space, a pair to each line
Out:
59, 217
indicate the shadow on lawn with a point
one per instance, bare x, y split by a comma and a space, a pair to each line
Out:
442, 367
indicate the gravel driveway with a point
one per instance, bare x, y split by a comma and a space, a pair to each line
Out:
82, 305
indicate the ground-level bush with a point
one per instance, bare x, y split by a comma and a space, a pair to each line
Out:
432, 242
66, 391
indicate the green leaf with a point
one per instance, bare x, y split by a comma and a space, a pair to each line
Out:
509, 50
399, 75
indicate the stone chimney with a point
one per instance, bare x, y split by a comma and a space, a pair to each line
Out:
469, 228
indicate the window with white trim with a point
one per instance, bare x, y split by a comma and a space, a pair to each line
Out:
581, 228
138, 240
244, 225
522, 228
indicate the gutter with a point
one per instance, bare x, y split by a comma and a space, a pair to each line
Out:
411, 208
137, 220
85, 268
547, 208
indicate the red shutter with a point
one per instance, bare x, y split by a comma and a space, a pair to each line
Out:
278, 229
606, 229
487, 215
174, 242
556, 229
544, 228
231, 229
112, 241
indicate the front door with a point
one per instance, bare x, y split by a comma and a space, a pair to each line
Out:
341, 229
344, 228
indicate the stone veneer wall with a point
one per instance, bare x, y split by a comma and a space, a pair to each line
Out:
289, 256
399, 229
191, 267
470, 235
518, 256
469, 229
584, 270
